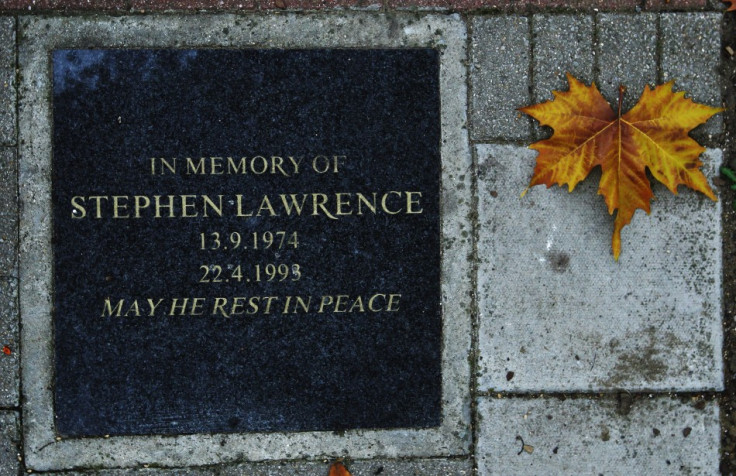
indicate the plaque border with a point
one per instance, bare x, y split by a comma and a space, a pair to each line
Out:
38, 36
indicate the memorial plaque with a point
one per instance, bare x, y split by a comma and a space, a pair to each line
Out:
246, 240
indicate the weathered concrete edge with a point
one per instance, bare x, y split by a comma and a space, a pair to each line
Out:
657, 435
39, 35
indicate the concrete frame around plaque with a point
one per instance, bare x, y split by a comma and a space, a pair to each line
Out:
40, 35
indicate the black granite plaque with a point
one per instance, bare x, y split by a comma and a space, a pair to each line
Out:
246, 240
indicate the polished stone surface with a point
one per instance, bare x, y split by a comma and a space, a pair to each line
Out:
230, 278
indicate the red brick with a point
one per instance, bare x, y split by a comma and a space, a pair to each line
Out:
587, 5
125, 5
663, 5
317, 4
521, 5
501, 5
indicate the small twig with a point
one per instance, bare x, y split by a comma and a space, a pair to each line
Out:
46, 445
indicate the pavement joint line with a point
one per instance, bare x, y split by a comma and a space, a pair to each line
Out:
511, 142
599, 394
659, 48
475, 310
16, 78
595, 39
533, 131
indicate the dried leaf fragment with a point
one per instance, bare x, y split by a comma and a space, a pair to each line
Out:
6, 350
338, 469
524, 447
653, 135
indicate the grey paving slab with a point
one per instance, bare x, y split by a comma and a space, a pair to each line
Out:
461, 467
691, 53
8, 245
424, 467
8, 213
562, 44
626, 55
557, 313
9, 443
499, 76
39, 35
8, 182
7, 80
9, 363
596, 436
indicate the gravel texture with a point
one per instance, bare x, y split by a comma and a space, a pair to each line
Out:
500, 77
657, 435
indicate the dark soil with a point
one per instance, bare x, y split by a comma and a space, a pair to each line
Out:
728, 398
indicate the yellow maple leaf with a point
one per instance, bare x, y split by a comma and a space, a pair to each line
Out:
652, 135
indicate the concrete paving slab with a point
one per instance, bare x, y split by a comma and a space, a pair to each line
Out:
462, 467
562, 44
499, 77
691, 53
9, 362
557, 313
7, 80
9, 443
657, 435
8, 182
8, 245
626, 55
41, 35
423, 467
